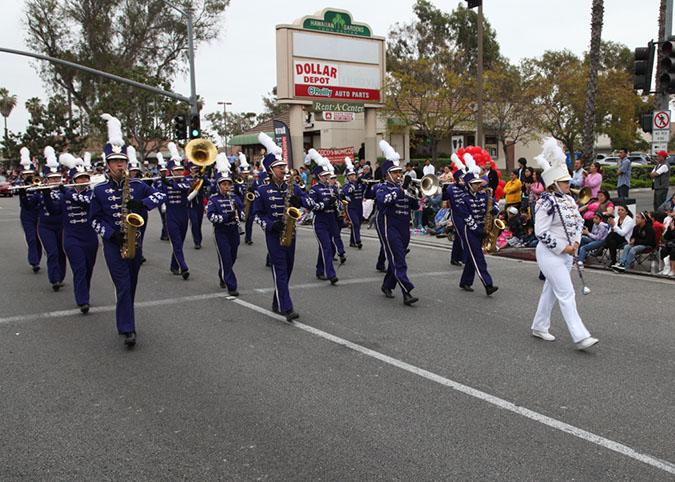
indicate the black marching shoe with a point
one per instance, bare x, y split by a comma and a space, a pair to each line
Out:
381, 270
387, 292
249, 242
455, 263
409, 299
321, 277
130, 338
466, 287
36, 268
84, 308
175, 271
185, 274
57, 285
343, 259
223, 284
334, 280
352, 245
233, 292
143, 260
359, 245
489, 289
164, 238
198, 246
291, 315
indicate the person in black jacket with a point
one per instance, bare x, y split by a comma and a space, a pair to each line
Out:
643, 238
493, 178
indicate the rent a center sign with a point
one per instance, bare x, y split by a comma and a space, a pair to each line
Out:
329, 58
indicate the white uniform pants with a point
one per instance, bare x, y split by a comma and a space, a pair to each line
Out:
558, 286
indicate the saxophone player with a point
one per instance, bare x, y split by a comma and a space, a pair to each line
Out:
105, 217
269, 211
469, 212
244, 190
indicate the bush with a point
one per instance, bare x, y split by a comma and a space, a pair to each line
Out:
640, 177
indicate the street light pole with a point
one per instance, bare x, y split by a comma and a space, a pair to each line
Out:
479, 75
225, 104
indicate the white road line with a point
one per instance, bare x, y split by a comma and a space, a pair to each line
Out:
467, 390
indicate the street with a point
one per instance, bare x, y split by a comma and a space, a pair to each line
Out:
360, 388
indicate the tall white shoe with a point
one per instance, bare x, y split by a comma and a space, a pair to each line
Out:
544, 335
587, 343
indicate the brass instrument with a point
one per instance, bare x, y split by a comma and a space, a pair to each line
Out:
584, 194
430, 185
199, 152
492, 227
129, 224
291, 214
249, 197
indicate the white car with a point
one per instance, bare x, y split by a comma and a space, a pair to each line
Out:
609, 161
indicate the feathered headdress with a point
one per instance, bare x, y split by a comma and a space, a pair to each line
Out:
87, 160
50, 155
331, 168
471, 166
222, 163
161, 163
25, 159
553, 161
115, 148
349, 164
269, 144
243, 163
314, 155
458, 162
173, 151
68, 160
131, 153
389, 153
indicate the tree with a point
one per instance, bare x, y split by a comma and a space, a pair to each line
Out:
7, 104
235, 124
588, 143
509, 110
271, 108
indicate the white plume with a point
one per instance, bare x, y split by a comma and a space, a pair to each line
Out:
50, 155
173, 151
552, 154
222, 163
331, 168
87, 160
243, 163
160, 160
269, 144
389, 151
314, 155
458, 162
25, 157
471, 164
349, 163
114, 130
131, 154
68, 160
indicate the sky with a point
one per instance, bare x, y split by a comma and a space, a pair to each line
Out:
240, 67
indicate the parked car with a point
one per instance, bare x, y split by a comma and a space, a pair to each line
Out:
600, 157
639, 159
609, 161
670, 160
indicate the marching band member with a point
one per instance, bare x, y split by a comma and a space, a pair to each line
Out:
176, 191
469, 210
558, 226
393, 225
80, 241
371, 193
224, 210
196, 204
50, 227
352, 192
268, 211
162, 170
135, 172
241, 190
29, 215
325, 220
337, 245
453, 193
105, 217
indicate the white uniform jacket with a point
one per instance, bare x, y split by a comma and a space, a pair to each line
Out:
548, 227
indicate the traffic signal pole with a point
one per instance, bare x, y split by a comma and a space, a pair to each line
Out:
663, 98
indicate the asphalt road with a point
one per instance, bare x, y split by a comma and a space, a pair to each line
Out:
361, 388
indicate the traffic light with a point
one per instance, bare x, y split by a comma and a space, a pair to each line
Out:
646, 122
180, 131
195, 130
474, 3
667, 67
644, 63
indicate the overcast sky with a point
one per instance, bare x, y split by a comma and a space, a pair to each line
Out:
240, 67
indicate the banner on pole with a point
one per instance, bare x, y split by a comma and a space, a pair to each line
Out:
282, 136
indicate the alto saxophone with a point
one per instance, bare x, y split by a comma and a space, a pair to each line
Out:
291, 214
129, 224
249, 196
492, 227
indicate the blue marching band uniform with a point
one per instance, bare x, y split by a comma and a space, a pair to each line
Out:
162, 169
248, 186
337, 246
29, 214
452, 193
371, 193
353, 192
196, 204
393, 226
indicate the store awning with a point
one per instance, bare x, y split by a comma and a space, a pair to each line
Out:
247, 139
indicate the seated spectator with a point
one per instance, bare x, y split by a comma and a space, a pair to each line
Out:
620, 231
602, 204
446, 175
668, 205
593, 239
641, 239
668, 251
657, 221
436, 201
593, 179
528, 238
441, 221
512, 190
514, 229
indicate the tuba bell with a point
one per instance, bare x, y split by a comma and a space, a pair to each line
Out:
200, 152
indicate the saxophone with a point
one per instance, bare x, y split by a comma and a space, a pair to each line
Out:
248, 196
291, 214
492, 227
129, 224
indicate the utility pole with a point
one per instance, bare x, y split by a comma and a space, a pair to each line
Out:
479, 110
225, 104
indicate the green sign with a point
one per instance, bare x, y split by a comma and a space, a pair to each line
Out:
336, 106
336, 22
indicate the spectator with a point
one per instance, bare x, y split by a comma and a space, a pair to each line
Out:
529, 238
593, 179
520, 172
361, 164
441, 221
493, 178
418, 215
366, 174
418, 170
621, 230
641, 239
362, 151
378, 172
602, 205
436, 201
668, 205
668, 251
593, 239
512, 189
303, 175
529, 179
409, 171
446, 175
536, 188
428, 168
657, 222
577, 175
624, 173
515, 225
661, 179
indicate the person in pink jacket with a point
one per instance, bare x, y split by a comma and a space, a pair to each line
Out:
593, 179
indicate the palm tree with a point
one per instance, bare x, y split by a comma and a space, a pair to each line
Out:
597, 14
7, 103
659, 68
